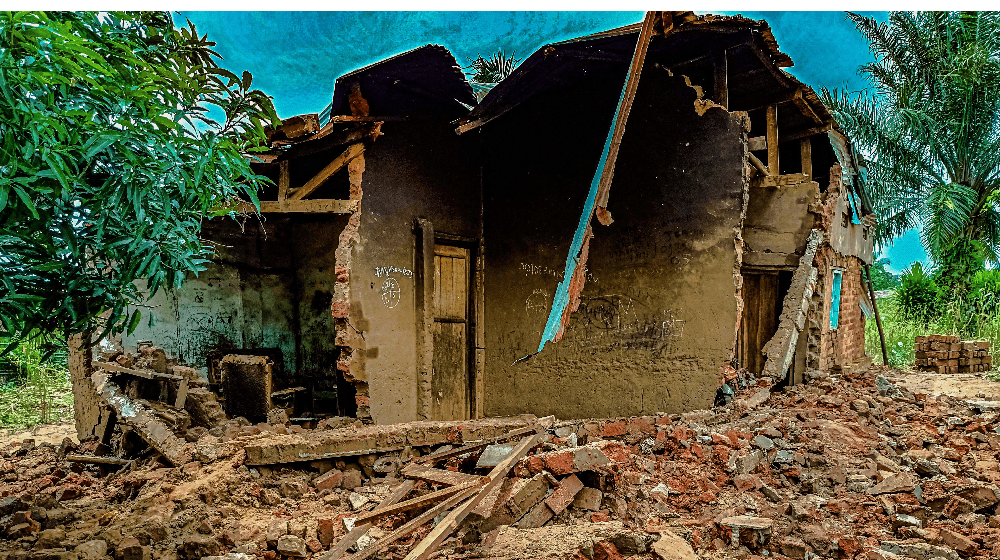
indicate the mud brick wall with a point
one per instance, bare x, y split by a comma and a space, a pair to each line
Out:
658, 311
947, 354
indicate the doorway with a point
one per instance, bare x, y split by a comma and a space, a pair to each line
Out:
763, 295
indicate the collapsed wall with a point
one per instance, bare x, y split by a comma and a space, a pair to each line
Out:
658, 308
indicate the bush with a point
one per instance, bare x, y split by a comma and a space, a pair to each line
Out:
918, 294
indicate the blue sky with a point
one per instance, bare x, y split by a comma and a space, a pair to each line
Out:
296, 56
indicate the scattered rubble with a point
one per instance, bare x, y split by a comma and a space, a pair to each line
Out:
851, 466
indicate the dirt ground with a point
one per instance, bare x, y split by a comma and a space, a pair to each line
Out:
873, 465
48, 433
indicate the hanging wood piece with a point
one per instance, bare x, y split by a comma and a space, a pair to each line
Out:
624, 106
772, 139
807, 158
454, 519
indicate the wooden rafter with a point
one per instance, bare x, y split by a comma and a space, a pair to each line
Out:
338, 163
323, 206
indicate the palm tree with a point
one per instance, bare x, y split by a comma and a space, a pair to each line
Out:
487, 72
931, 127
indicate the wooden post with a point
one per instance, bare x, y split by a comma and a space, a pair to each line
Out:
721, 90
283, 182
772, 139
878, 318
807, 158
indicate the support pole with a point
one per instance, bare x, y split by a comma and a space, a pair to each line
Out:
878, 318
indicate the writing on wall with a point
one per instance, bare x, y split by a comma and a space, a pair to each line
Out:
381, 271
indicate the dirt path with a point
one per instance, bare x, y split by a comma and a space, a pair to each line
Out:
958, 385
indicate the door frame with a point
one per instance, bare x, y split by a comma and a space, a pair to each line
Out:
426, 239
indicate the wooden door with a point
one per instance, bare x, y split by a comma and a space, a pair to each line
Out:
761, 309
450, 378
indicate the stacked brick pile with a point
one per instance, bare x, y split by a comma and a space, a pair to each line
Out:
947, 354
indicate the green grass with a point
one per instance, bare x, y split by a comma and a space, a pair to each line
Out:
34, 391
901, 331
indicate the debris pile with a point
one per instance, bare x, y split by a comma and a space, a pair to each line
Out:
947, 354
850, 466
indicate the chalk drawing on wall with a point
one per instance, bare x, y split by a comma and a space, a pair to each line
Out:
390, 292
537, 303
381, 271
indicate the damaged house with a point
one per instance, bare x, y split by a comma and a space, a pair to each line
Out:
422, 256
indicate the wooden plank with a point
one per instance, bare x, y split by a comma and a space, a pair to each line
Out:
338, 163
807, 158
772, 140
720, 91
421, 501
147, 374
757, 143
454, 519
437, 476
413, 524
318, 206
624, 107
351, 538
516, 434
780, 180
74, 458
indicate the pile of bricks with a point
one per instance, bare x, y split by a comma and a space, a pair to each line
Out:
947, 354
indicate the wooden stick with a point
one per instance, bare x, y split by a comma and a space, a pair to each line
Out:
755, 161
516, 434
418, 502
413, 524
338, 163
807, 157
878, 318
454, 519
284, 180
351, 538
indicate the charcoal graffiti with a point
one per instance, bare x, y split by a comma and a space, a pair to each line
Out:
382, 271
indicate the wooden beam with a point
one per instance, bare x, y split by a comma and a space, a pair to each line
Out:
721, 87
283, 182
757, 143
110, 366
772, 139
413, 524
318, 206
421, 501
807, 132
755, 161
807, 158
454, 519
338, 163
624, 107
351, 538
332, 136
804, 107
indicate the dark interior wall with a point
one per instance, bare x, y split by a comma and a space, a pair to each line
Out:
658, 312
268, 286
421, 169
